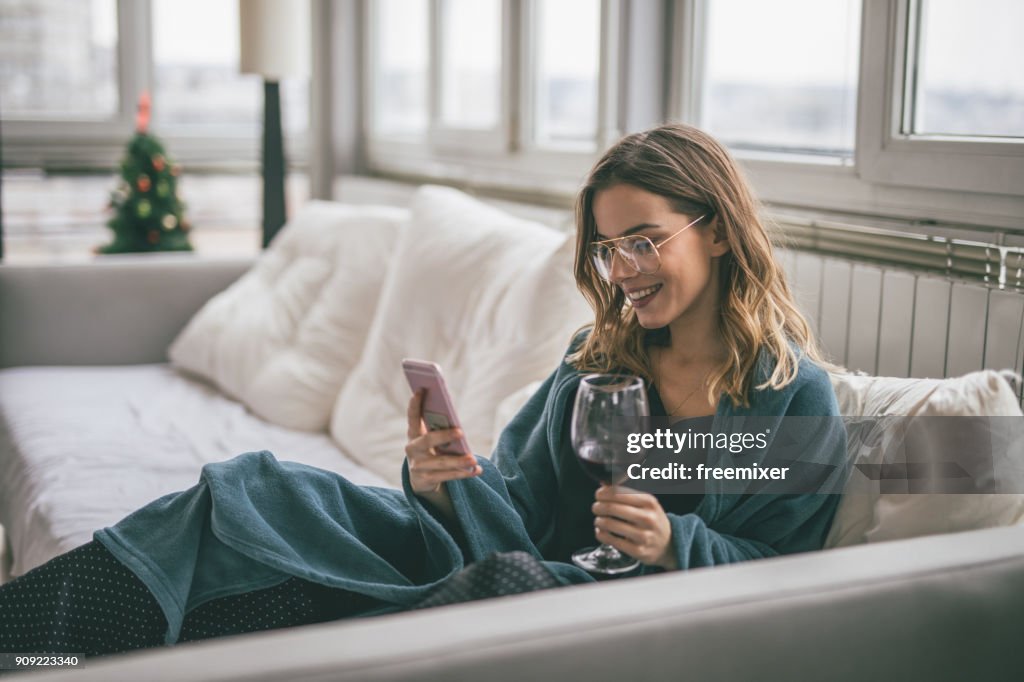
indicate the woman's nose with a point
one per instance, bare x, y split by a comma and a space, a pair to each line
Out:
619, 269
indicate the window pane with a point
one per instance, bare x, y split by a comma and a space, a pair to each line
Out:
50, 67
783, 75
470, 63
401, 55
970, 68
197, 78
567, 67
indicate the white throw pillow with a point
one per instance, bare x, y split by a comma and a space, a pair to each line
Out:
284, 337
865, 513
489, 297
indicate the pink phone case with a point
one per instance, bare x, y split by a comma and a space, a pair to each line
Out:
438, 410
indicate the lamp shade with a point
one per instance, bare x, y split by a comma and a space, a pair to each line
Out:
275, 38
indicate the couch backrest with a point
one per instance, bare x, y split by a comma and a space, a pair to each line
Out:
118, 310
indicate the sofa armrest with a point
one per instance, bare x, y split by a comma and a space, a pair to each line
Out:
118, 310
944, 607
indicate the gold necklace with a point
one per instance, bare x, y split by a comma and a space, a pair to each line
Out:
688, 395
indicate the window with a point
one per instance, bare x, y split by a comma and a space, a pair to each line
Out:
68, 95
500, 92
566, 73
198, 89
195, 65
50, 67
470, 64
975, 89
773, 82
864, 108
400, 57
941, 106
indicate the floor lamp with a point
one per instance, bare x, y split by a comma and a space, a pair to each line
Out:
275, 44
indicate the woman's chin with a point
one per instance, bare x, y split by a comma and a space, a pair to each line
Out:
649, 321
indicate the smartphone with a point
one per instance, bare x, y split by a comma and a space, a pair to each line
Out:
438, 410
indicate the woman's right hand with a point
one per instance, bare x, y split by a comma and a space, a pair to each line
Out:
428, 468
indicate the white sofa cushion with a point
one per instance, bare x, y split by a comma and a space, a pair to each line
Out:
865, 514
283, 339
489, 297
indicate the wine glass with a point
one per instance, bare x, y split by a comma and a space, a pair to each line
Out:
608, 407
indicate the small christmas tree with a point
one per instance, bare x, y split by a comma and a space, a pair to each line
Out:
148, 215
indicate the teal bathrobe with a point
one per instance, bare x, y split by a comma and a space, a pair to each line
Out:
252, 522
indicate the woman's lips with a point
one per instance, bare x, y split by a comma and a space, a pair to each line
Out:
642, 297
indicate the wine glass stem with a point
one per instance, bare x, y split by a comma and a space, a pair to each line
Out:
606, 552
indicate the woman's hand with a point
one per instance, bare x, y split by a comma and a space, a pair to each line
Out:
429, 469
634, 523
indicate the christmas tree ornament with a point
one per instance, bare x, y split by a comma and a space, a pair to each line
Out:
139, 211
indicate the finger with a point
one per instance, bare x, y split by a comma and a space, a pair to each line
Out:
635, 515
622, 544
439, 477
415, 414
444, 462
620, 495
634, 534
442, 436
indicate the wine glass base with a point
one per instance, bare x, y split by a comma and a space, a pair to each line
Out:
605, 560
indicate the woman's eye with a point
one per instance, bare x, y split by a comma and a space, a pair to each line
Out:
642, 247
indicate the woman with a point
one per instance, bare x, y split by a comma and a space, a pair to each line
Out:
677, 266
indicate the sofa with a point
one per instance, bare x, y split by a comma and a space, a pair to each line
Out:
121, 378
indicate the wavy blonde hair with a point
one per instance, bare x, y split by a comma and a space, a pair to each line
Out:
696, 175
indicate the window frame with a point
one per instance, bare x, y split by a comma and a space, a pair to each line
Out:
890, 156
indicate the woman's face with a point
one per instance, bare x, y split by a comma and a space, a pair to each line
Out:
686, 284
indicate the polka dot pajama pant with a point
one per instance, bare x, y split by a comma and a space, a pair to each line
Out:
87, 602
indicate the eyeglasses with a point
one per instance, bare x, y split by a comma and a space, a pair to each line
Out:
636, 250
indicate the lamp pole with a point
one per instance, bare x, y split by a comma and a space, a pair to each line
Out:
275, 44
273, 162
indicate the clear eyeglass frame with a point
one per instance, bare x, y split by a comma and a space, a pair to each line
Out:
636, 250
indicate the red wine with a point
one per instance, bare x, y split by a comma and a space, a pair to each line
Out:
601, 465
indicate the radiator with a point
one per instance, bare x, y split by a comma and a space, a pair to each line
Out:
889, 321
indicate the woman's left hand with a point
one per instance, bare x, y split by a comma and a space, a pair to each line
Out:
634, 523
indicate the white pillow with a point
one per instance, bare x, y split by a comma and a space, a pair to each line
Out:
284, 337
489, 297
866, 514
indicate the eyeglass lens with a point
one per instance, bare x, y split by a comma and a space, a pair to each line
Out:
638, 252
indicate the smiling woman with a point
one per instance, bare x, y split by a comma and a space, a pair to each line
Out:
685, 292
674, 259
